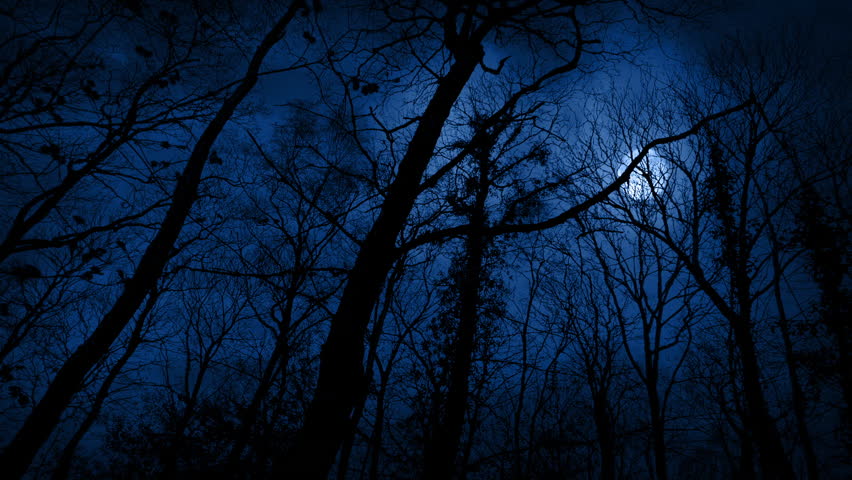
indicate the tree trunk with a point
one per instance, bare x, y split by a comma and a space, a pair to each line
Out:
20, 452
606, 437
63, 465
798, 395
341, 371
373, 344
441, 453
773, 460
378, 431
278, 361
658, 432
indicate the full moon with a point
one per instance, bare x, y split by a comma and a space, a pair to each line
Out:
650, 175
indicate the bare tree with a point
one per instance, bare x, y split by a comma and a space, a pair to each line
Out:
20, 451
593, 334
341, 363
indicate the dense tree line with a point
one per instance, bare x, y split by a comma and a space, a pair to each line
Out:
418, 240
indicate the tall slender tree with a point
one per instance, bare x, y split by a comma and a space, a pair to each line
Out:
19, 453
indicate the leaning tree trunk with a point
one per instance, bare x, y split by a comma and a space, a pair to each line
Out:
66, 459
372, 353
20, 452
341, 371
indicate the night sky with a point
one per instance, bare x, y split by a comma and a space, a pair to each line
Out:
425, 239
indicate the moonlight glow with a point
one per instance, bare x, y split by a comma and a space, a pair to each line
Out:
651, 174
422, 239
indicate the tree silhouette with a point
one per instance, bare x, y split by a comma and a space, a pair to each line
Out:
420, 239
